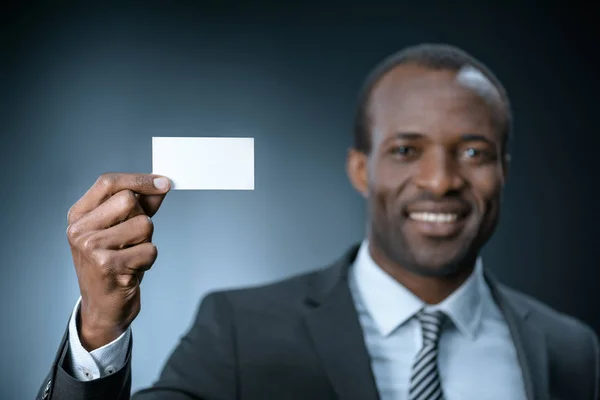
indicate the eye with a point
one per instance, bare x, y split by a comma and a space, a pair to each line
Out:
471, 152
475, 154
404, 151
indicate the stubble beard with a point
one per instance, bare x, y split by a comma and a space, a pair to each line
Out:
387, 236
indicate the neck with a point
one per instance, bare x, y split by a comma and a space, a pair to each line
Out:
430, 289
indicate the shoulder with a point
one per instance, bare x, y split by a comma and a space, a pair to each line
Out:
565, 333
283, 294
573, 347
551, 320
283, 300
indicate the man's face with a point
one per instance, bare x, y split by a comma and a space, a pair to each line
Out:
434, 177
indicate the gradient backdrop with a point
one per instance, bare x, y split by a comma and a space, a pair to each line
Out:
83, 91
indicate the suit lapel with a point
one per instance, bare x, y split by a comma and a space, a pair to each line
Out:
334, 327
337, 335
529, 341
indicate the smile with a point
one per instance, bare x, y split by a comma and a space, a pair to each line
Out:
433, 217
438, 225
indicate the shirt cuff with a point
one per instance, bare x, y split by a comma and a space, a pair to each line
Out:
106, 360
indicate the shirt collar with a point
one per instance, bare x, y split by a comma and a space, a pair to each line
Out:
391, 304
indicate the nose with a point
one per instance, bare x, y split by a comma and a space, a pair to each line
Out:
438, 173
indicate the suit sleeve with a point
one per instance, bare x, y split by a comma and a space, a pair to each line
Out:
203, 366
59, 384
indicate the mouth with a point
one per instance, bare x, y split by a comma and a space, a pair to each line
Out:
441, 218
437, 221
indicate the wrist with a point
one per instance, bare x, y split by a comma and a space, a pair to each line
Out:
93, 334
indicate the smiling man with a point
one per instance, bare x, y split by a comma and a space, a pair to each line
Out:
410, 313
431, 160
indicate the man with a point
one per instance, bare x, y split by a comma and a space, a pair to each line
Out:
411, 313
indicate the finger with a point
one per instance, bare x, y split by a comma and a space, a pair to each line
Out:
118, 208
137, 210
109, 184
151, 203
136, 259
133, 231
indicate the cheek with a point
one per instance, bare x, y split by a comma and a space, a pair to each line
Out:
387, 182
387, 176
488, 185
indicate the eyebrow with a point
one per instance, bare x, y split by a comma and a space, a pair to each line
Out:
470, 137
408, 135
467, 137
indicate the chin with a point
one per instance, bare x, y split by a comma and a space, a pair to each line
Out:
432, 257
439, 258
438, 266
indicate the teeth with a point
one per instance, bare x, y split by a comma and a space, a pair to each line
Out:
433, 217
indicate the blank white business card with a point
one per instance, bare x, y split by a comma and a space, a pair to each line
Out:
205, 163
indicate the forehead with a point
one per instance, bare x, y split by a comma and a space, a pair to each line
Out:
413, 98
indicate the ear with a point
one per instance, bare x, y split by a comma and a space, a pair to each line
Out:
357, 170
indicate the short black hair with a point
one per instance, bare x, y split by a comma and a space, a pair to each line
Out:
434, 56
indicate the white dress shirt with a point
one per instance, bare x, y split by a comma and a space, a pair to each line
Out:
477, 359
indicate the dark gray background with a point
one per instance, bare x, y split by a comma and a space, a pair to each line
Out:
83, 90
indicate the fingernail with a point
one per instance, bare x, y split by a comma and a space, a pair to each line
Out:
161, 183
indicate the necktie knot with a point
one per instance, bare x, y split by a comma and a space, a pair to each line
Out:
431, 325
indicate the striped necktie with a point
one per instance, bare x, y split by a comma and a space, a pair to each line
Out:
425, 380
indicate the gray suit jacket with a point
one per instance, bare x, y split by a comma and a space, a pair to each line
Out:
301, 339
